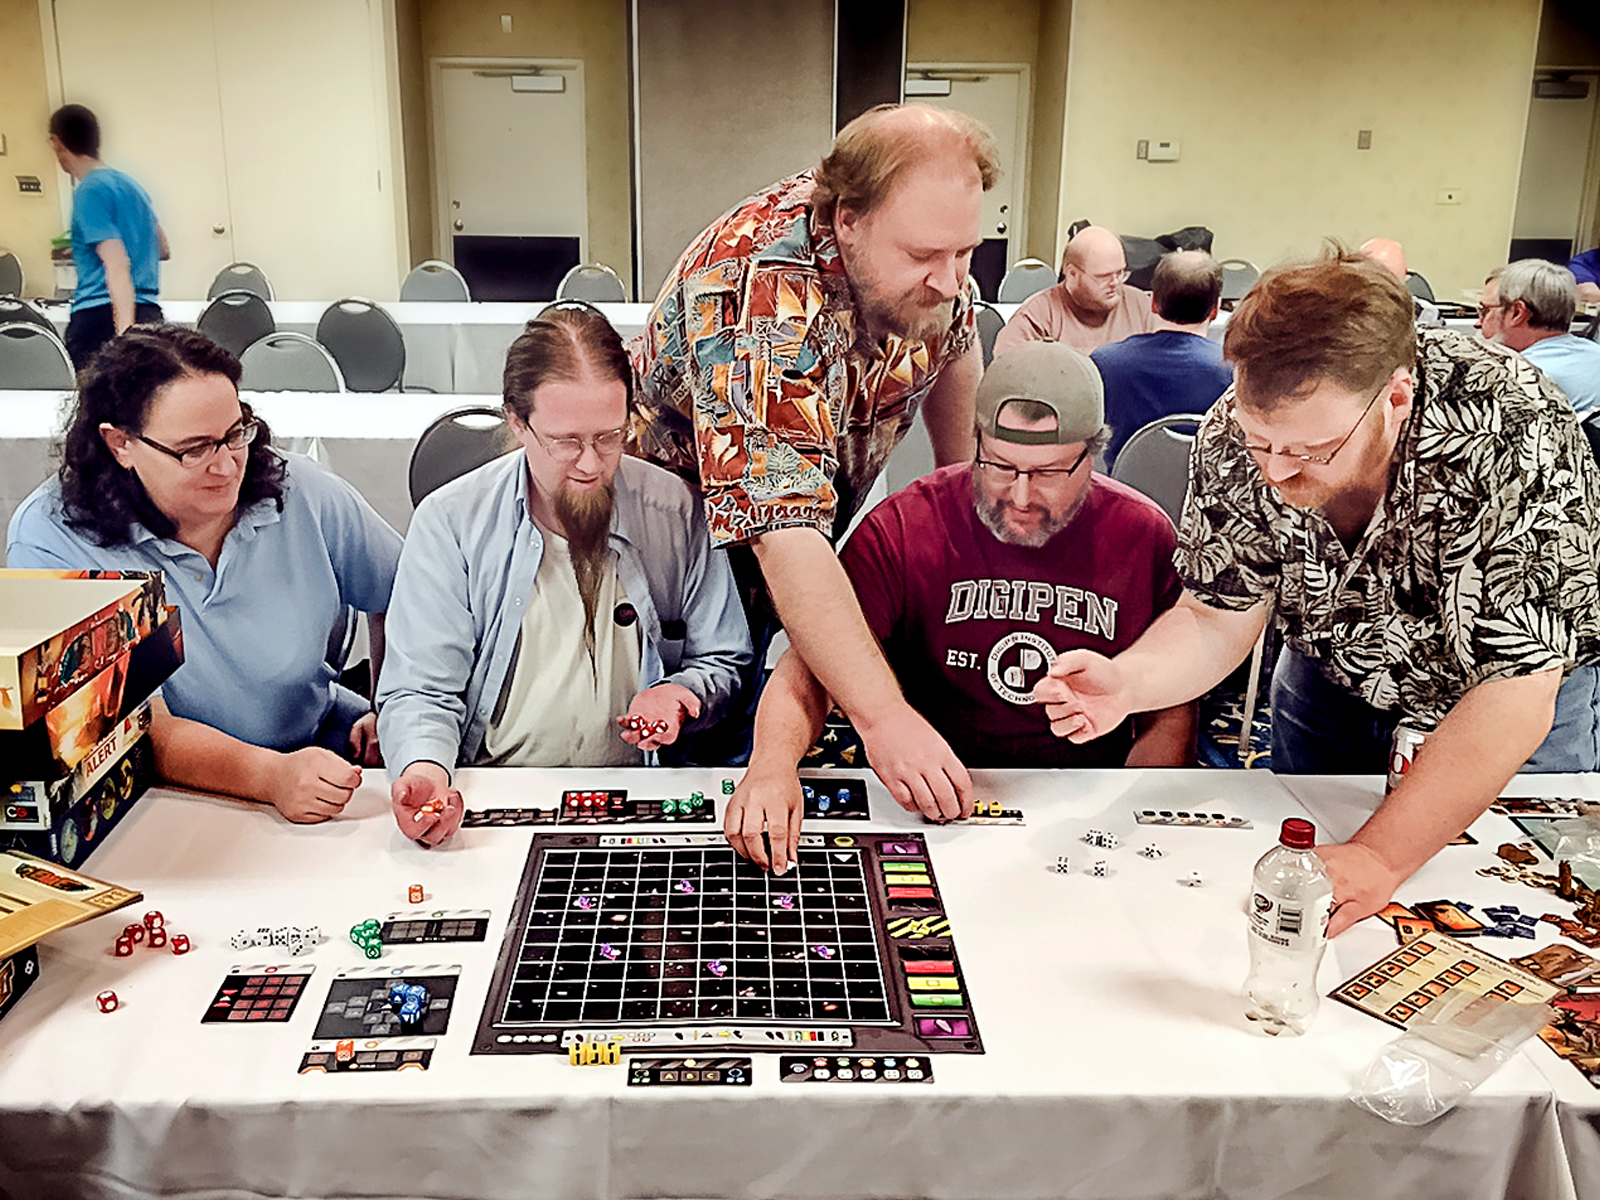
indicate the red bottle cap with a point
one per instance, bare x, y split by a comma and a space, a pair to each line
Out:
1298, 834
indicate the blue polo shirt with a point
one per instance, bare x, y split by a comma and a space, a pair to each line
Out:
1160, 374
255, 629
109, 205
1573, 364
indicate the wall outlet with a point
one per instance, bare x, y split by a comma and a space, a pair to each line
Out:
1363, 139
29, 185
1450, 195
1142, 148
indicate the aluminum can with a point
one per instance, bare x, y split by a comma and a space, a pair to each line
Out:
1402, 753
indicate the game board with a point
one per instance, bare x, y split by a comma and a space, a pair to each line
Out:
672, 942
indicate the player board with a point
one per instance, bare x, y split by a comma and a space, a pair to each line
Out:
671, 942
1406, 982
359, 1004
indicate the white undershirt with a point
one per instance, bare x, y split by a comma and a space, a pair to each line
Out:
561, 704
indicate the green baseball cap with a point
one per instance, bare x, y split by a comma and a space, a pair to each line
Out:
1047, 373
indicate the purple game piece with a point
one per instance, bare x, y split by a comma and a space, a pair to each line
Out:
608, 951
784, 901
822, 951
585, 902
943, 1027
685, 886
717, 967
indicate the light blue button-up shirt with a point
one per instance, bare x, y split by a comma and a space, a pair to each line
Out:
471, 554
255, 629
1573, 363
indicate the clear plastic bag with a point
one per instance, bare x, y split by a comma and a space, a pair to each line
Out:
1426, 1071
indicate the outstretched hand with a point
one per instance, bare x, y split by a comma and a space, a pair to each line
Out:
1084, 695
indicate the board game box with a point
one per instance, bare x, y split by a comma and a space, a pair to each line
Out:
670, 942
52, 747
62, 630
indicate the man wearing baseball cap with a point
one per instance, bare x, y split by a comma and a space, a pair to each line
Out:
973, 579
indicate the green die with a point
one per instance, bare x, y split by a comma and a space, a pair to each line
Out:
372, 949
669, 808
727, 787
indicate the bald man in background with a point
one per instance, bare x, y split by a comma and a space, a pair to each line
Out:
1092, 306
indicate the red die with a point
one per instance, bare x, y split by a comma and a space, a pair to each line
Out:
414, 894
158, 937
180, 943
107, 1001
154, 920
124, 946
345, 1050
134, 933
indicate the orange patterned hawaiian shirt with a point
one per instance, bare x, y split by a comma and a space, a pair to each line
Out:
753, 381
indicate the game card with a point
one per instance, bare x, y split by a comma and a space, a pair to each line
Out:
1539, 806
1450, 917
1575, 1033
691, 1072
268, 992
368, 1054
1560, 964
856, 1068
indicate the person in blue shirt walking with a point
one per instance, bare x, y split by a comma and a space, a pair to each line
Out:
117, 243
166, 469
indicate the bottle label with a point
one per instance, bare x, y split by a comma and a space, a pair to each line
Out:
1290, 924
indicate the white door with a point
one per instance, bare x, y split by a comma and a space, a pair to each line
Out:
305, 107
148, 72
997, 95
1555, 159
509, 152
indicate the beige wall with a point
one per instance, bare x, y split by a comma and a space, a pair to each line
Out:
960, 31
1049, 118
1034, 32
27, 222
584, 29
1266, 99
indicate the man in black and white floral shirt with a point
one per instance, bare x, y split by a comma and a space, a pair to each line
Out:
1423, 513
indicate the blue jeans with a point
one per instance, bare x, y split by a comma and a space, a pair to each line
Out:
1318, 728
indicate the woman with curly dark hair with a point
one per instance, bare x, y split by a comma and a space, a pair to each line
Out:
166, 469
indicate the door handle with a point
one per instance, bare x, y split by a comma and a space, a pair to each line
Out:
458, 225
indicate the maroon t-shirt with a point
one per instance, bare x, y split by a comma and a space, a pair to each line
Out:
970, 623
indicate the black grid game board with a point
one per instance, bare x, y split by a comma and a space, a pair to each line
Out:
662, 941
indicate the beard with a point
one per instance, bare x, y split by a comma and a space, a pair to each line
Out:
586, 517
922, 316
992, 515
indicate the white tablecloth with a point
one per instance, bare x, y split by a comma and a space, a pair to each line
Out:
366, 438
449, 347
1117, 1063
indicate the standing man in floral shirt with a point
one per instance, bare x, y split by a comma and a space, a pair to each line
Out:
1424, 513
789, 352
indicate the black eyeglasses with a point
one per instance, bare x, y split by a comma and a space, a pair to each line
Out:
1006, 474
191, 457
1323, 460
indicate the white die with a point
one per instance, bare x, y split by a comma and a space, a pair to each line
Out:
1151, 851
1099, 868
1063, 865
242, 940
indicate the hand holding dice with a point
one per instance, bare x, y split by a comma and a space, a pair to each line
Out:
427, 809
656, 716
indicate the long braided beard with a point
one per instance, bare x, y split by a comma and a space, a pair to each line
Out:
586, 517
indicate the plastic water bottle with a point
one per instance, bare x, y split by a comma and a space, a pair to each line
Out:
1289, 904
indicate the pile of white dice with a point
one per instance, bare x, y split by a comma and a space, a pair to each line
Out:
296, 939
